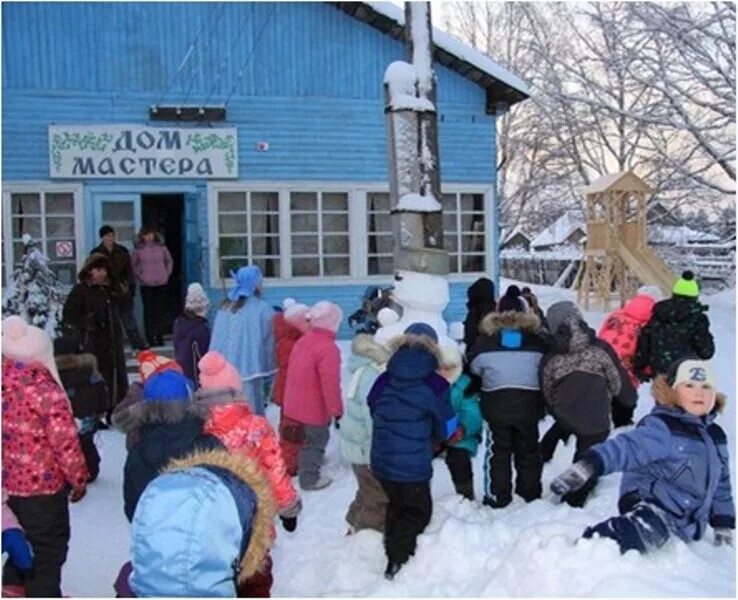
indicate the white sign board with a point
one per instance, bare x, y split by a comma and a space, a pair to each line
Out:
140, 152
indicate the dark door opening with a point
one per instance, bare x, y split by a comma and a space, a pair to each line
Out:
165, 213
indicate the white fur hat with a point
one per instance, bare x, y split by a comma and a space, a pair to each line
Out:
451, 359
28, 344
197, 300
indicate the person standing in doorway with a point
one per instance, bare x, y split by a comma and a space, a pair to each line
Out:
123, 280
152, 266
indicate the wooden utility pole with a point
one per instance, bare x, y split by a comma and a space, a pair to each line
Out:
415, 174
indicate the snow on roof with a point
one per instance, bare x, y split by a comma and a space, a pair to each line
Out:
678, 236
507, 234
458, 48
606, 182
559, 230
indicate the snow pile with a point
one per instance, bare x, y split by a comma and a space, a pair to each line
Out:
402, 79
418, 203
467, 550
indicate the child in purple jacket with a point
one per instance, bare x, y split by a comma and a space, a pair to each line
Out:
191, 336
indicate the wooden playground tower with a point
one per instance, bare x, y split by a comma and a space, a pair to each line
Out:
617, 256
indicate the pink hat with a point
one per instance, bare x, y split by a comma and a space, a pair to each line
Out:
326, 315
295, 315
217, 372
28, 344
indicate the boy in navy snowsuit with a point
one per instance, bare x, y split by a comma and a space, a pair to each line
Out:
676, 477
412, 414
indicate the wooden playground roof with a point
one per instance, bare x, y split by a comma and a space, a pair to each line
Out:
617, 182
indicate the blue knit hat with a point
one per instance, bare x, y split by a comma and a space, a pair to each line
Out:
422, 329
247, 279
168, 386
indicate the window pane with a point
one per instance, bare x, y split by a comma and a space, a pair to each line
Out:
233, 246
59, 204
335, 201
472, 202
380, 265
380, 244
29, 225
267, 245
336, 265
233, 264
379, 222
264, 223
25, 204
51, 250
308, 223
472, 263
269, 266
451, 242
66, 272
233, 224
449, 221
335, 223
304, 244
304, 201
472, 243
117, 211
124, 234
453, 263
264, 202
57, 227
335, 244
472, 222
379, 201
449, 202
232, 201
305, 267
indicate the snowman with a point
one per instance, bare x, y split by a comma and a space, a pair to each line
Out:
423, 298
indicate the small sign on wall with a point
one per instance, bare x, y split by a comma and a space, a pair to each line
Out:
136, 151
65, 249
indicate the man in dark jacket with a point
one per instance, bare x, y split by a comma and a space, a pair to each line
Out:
412, 413
506, 355
480, 302
123, 281
678, 328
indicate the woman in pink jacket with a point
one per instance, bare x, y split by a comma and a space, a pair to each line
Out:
312, 394
152, 266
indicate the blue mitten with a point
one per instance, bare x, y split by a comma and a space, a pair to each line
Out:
18, 549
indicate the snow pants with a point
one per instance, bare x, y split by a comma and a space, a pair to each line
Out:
45, 521
311, 454
291, 438
369, 508
458, 461
642, 528
408, 513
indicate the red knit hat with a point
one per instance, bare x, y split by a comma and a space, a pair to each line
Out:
150, 363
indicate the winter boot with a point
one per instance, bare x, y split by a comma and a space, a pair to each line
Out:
392, 569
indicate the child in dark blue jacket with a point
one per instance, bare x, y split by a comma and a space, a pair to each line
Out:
676, 476
412, 414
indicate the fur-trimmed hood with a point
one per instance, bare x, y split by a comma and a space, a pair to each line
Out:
665, 395
249, 472
70, 362
523, 321
157, 413
410, 340
364, 345
95, 261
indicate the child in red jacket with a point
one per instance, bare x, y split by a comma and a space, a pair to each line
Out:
42, 458
231, 420
313, 390
289, 327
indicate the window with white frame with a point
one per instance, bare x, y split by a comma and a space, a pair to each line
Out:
248, 231
463, 232
319, 227
49, 216
379, 232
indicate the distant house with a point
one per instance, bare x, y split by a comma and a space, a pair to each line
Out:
514, 238
567, 231
667, 235
658, 214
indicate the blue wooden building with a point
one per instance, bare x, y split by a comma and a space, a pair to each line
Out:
246, 132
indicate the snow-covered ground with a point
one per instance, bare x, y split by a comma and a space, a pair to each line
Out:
467, 550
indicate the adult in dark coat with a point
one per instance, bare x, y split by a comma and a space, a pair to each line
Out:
123, 281
480, 302
169, 425
678, 328
92, 313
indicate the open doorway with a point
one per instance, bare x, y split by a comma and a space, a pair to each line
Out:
165, 213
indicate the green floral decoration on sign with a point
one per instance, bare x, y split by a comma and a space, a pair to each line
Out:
200, 142
81, 141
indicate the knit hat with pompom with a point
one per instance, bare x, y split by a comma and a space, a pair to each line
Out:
325, 315
150, 363
217, 372
686, 286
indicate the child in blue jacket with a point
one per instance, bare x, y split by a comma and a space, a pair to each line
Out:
465, 405
676, 477
411, 414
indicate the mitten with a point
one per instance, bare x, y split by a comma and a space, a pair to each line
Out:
18, 549
457, 435
289, 524
77, 494
723, 536
573, 478
337, 422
